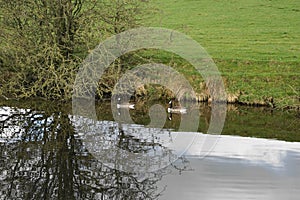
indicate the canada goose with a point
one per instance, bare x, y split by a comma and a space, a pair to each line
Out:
172, 109
170, 117
124, 105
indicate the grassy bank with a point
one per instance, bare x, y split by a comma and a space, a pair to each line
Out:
255, 44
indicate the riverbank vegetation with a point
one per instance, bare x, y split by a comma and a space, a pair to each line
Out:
44, 42
255, 44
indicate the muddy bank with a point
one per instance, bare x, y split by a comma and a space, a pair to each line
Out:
161, 93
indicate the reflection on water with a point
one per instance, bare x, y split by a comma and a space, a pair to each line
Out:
43, 155
227, 179
126, 147
41, 158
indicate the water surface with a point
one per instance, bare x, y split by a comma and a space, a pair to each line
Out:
43, 155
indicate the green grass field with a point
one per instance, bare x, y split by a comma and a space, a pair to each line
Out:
255, 43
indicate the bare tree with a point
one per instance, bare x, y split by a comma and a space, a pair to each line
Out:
43, 41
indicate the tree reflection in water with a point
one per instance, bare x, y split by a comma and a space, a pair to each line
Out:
42, 157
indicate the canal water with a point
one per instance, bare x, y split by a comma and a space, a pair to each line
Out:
46, 152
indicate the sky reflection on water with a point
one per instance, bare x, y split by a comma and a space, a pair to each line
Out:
43, 156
